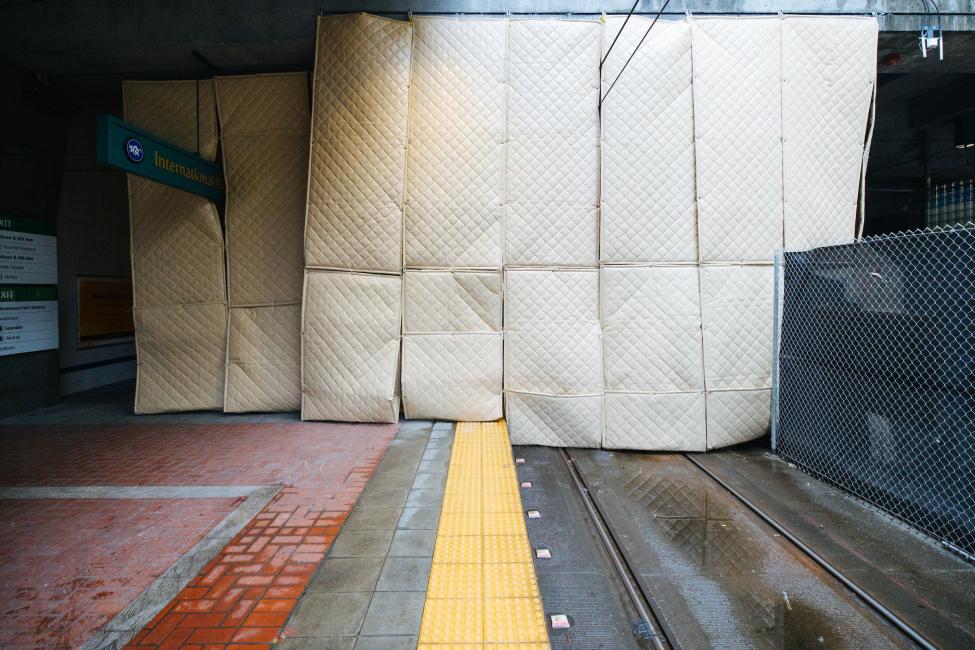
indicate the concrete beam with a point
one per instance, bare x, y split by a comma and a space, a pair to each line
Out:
155, 38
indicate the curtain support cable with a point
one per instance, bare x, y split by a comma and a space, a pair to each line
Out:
635, 50
617, 37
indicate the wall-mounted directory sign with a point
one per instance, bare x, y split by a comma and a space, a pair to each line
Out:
28, 319
28, 251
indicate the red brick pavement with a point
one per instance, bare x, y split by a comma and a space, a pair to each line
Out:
243, 596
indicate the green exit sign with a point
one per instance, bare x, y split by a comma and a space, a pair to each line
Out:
139, 152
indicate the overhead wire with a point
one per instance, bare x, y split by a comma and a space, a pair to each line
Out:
617, 37
632, 54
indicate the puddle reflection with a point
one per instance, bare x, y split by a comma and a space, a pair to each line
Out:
720, 557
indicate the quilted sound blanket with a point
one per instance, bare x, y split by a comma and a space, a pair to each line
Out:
552, 172
553, 376
652, 358
648, 208
737, 310
264, 359
264, 131
179, 287
452, 345
181, 352
358, 144
634, 242
738, 137
350, 344
825, 111
455, 184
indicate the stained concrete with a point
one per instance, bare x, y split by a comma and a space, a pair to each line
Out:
117, 632
369, 592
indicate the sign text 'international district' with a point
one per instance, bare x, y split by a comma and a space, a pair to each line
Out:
135, 151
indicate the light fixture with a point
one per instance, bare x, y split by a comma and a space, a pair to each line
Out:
965, 131
932, 37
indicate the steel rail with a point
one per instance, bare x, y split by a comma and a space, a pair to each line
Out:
872, 602
642, 601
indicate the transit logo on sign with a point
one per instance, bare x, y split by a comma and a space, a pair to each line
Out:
134, 150
125, 146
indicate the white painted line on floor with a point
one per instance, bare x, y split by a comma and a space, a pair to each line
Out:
127, 491
117, 632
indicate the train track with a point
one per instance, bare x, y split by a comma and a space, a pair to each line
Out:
657, 630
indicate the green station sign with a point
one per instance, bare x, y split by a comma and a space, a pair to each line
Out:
139, 152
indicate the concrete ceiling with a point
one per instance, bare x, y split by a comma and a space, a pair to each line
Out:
86, 48
118, 39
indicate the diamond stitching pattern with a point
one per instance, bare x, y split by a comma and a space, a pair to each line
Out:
181, 352
648, 202
823, 140
737, 416
737, 304
651, 329
553, 378
456, 148
528, 154
552, 166
264, 359
264, 127
662, 421
554, 421
451, 301
178, 273
453, 377
738, 130
358, 162
350, 347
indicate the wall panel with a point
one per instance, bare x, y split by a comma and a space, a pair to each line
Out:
357, 161
264, 122
738, 135
829, 71
552, 171
455, 183
648, 210
178, 275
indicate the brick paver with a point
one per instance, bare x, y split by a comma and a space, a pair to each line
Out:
245, 593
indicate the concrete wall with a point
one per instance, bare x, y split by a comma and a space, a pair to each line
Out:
48, 171
93, 231
33, 128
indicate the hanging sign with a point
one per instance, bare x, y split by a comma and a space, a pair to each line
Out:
28, 251
28, 319
138, 152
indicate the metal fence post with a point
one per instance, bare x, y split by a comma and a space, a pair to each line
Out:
776, 334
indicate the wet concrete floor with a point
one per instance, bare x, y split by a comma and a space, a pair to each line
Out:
720, 577
925, 584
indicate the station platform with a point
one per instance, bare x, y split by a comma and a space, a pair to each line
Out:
215, 531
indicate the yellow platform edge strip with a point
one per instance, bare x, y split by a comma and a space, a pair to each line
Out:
483, 592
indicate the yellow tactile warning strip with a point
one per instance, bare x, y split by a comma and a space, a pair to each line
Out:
482, 591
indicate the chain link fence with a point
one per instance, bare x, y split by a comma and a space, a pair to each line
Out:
874, 386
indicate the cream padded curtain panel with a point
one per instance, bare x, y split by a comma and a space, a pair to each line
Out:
482, 239
179, 286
